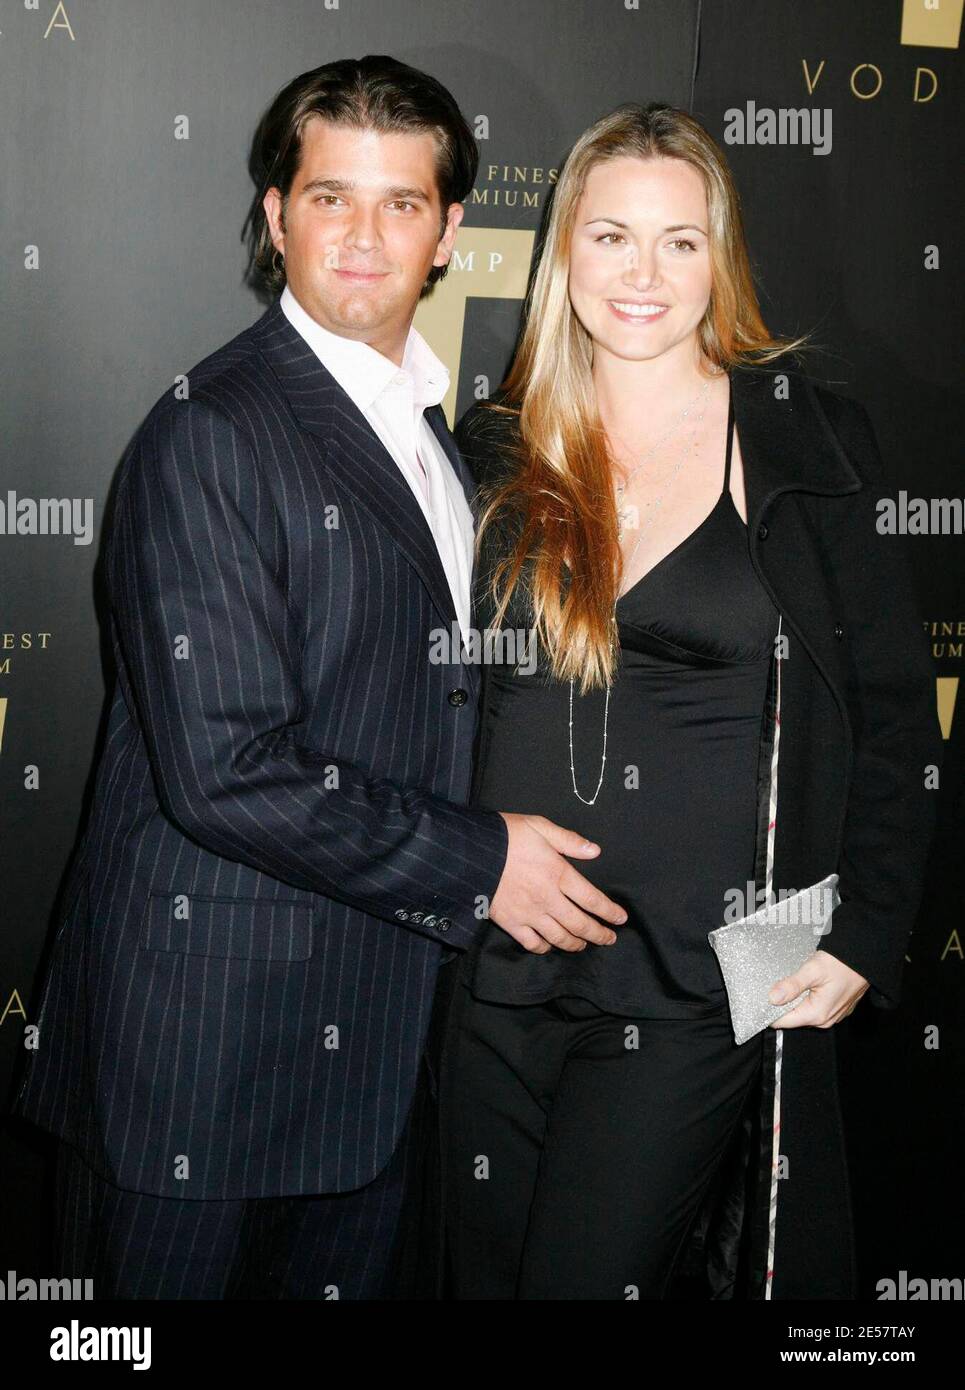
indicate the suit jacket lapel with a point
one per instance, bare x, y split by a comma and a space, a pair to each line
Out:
437, 420
353, 451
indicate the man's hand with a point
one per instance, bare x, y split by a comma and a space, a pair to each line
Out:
835, 990
540, 896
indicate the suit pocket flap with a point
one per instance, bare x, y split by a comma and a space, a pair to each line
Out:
249, 928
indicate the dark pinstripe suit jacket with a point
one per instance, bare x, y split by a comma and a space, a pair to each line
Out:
279, 850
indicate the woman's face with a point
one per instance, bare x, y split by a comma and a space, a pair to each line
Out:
640, 277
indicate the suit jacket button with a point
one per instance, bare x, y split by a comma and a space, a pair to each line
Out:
444, 923
838, 630
402, 915
458, 697
430, 921
416, 916
762, 531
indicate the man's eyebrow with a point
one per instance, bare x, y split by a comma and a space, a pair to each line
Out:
346, 186
677, 227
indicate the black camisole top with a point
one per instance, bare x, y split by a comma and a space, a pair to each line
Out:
676, 813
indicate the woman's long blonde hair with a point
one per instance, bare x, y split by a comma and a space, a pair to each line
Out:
559, 487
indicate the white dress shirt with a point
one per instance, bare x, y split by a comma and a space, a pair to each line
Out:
393, 399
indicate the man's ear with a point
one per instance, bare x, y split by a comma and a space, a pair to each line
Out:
272, 204
454, 216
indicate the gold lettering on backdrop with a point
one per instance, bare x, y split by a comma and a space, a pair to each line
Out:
870, 67
66, 22
521, 173
19, 641
489, 263
812, 83
23, 640
16, 641
11, 1010
928, 24
947, 636
934, 85
511, 197
503, 198
920, 94
947, 695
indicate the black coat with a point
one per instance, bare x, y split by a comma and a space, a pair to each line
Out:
859, 728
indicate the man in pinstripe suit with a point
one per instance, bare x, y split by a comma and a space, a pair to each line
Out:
279, 851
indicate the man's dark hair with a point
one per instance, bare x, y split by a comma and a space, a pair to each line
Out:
371, 93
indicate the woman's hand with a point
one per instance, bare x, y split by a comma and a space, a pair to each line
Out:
835, 989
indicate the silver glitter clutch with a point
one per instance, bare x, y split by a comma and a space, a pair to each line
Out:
757, 951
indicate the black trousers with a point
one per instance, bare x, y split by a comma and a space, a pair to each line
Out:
577, 1144
134, 1245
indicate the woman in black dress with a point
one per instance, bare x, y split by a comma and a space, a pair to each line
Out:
592, 1089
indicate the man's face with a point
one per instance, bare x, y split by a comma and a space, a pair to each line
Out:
362, 230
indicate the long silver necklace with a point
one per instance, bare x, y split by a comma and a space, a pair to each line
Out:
621, 489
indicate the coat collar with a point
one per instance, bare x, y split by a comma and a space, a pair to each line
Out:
786, 441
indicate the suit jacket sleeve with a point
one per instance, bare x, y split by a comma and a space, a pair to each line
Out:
891, 814
211, 651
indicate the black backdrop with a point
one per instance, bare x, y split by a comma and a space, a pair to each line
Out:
124, 130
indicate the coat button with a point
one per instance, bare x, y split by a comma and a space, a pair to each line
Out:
444, 923
762, 531
402, 915
458, 697
838, 630
416, 916
430, 921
